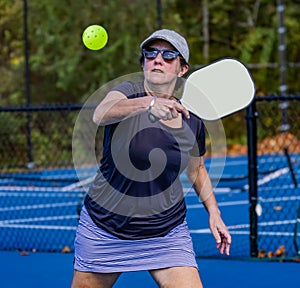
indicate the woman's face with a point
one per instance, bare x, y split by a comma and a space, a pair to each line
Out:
159, 71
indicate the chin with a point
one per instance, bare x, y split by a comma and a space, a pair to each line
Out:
159, 78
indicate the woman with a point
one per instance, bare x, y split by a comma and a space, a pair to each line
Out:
133, 217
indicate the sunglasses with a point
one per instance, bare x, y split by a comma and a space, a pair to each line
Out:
167, 55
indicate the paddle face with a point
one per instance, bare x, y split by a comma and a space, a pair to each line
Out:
218, 90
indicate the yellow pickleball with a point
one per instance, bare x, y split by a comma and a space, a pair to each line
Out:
94, 37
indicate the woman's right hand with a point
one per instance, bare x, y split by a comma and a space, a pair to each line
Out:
168, 109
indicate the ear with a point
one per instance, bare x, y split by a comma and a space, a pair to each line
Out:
183, 70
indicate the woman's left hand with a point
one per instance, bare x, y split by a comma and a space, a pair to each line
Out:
220, 233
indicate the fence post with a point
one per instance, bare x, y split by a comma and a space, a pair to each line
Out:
27, 86
252, 175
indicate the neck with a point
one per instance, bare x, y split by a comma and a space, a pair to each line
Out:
159, 90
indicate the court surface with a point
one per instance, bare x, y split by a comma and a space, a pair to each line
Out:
48, 212
49, 270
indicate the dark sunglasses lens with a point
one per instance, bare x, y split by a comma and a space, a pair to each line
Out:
169, 55
150, 54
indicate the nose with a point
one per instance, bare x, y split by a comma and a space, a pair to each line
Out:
159, 58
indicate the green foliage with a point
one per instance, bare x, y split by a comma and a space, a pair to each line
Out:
11, 51
62, 70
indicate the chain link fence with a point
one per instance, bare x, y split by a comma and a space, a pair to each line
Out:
274, 161
37, 137
39, 207
40, 200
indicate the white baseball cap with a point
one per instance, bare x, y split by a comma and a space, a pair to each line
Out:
173, 38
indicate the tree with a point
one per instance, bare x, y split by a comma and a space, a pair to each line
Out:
63, 70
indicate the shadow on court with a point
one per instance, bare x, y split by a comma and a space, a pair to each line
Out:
55, 270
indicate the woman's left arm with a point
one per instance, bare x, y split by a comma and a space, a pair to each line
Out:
198, 175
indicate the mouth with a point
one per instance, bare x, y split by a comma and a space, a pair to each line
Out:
156, 71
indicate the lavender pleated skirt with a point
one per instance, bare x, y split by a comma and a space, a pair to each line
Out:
98, 251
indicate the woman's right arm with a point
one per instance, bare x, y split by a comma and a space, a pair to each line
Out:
116, 107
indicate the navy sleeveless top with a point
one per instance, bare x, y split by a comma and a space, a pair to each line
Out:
137, 192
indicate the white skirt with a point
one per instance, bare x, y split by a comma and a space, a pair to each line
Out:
98, 251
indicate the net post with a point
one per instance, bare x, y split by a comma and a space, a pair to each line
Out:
252, 175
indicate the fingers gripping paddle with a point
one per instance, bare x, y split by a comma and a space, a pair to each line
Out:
218, 90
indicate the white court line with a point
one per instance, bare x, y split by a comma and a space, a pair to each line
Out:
270, 177
207, 230
195, 231
274, 175
189, 206
37, 219
69, 188
42, 195
283, 187
79, 184
246, 202
279, 234
190, 192
228, 162
47, 227
246, 226
229, 203
279, 199
39, 206
37, 189
272, 223
217, 163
